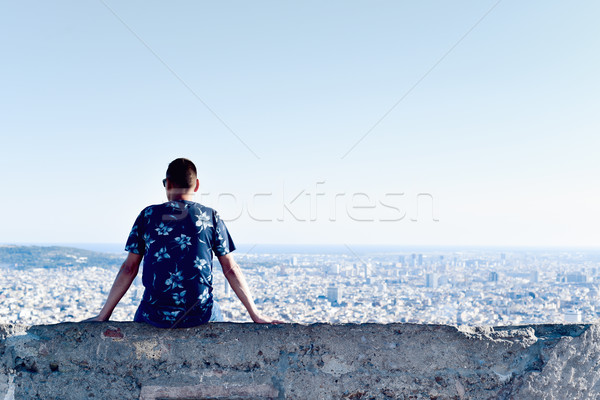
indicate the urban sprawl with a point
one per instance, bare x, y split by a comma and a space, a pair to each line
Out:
475, 287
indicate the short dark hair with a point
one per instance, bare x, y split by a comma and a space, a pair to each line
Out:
182, 173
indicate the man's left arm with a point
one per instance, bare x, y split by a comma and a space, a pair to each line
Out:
125, 277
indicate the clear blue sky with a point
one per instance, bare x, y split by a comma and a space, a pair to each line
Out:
503, 132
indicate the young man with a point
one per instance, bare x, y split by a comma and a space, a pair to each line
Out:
176, 240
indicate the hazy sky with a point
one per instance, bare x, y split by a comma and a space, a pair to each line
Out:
490, 129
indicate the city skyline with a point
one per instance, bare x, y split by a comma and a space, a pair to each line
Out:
417, 124
476, 287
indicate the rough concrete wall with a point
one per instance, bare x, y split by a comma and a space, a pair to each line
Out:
247, 361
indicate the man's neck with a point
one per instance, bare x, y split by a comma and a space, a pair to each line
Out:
172, 196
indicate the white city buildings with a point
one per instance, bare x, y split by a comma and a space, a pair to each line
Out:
455, 288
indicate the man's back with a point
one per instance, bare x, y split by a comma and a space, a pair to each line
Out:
177, 239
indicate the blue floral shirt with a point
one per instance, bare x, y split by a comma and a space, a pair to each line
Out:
177, 240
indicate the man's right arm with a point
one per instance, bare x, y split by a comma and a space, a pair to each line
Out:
125, 277
234, 275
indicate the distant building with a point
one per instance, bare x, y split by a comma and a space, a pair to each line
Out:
294, 261
334, 295
227, 288
420, 260
493, 277
572, 316
577, 277
431, 280
367, 270
356, 268
534, 276
443, 280
282, 270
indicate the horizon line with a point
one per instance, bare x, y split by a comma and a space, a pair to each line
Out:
322, 245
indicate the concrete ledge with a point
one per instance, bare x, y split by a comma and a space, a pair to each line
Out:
247, 361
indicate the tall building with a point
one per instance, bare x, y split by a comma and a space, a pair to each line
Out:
534, 276
282, 270
227, 288
493, 277
443, 280
334, 295
431, 280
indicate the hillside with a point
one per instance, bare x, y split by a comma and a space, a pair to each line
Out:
55, 256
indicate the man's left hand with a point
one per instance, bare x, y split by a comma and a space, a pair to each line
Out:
260, 319
97, 318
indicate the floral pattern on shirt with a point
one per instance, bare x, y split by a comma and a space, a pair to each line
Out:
161, 254
163, 229
183, 241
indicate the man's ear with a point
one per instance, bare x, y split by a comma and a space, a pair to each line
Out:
197, 185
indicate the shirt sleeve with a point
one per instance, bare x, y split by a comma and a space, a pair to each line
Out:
223, 243
135, 241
